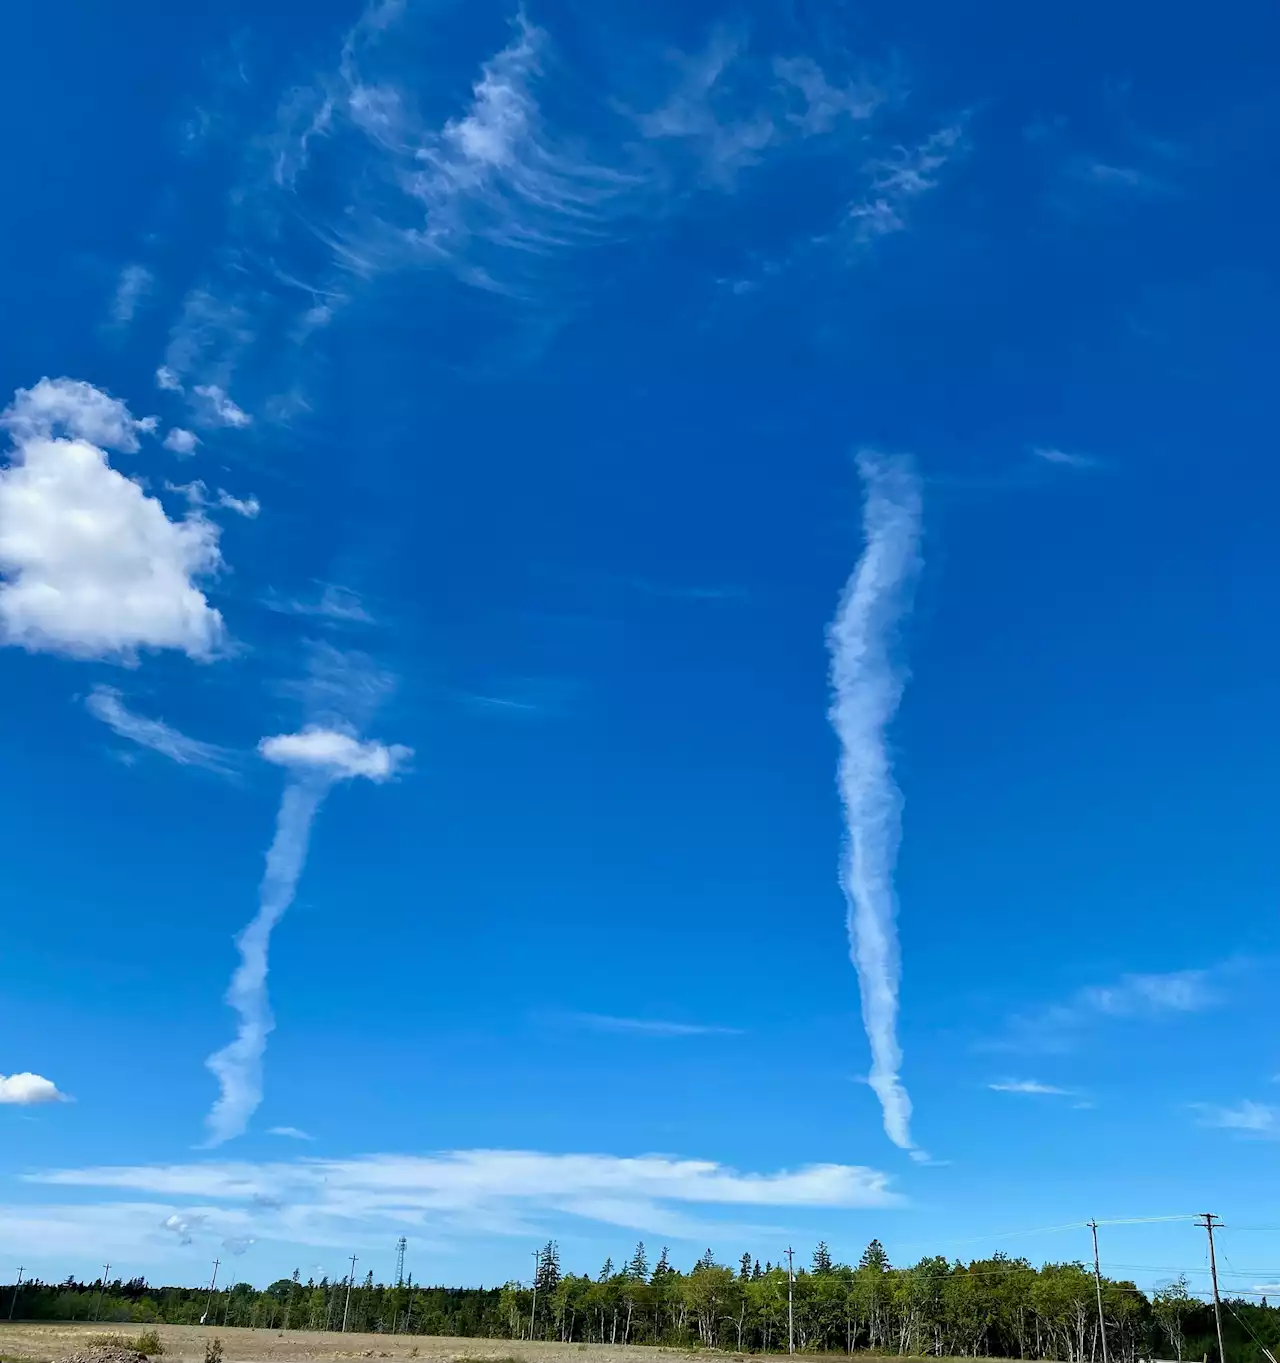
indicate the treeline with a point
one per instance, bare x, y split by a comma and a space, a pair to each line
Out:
988, 1308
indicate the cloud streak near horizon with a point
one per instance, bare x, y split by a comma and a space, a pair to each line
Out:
867, 683
316, 758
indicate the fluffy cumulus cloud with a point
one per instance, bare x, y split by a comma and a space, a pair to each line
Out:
89, 564
333, 754
28, 1090
181, 441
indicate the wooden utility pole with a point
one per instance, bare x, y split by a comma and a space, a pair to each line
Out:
13, 1301
791, 1314
1097, 1282
347, 1306
97, 1310
1210, 1222
213, 1282
533, 1310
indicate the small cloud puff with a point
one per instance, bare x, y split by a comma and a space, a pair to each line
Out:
28, 1090
181, 441
337, 755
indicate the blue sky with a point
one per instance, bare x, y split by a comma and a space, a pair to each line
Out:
462, 453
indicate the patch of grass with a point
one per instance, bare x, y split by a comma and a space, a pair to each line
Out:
487, 1358
148, 1343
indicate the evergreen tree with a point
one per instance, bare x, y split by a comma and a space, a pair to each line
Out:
874, 1257
662, 1269
638, 1268
756, 1271
822, 1258
708, 1260
606, 1271
744, 1268
548, 1269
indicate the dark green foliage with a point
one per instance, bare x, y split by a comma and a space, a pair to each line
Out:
992, 1308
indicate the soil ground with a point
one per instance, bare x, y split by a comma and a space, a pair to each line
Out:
42, 1343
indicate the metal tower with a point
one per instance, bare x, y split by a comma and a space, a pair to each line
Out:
401, 1246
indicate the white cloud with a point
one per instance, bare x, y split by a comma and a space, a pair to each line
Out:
333, 603
315, 758
72, 408
1051, 455
106, 704
729, 108
182, 1226
1032, 1086
470, 1192
1136, 995
334, 754
238, 1065
291, 1132
197, 495
217, 409
604, 1022
867, 682
134, 284
248, 507
28, 1090
1258, 1119
92, 566
181, 441
168, 380
1133, 997
899, 179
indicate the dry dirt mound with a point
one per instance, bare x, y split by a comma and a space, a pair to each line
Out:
105, 1353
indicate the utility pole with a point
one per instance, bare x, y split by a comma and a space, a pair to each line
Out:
13, 1301
791, 1317
1210, 1223
1097, 1281
213, 1282
347, 1306
533, 1310
97, 1310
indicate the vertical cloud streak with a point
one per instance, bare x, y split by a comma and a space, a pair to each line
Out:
867, 683
315, 759
238, 1066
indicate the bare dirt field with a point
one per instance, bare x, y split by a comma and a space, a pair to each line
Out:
43, 1343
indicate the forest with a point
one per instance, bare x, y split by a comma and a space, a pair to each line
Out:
989, 1308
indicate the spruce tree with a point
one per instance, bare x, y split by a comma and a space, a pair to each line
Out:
744, 1268
822, 1258
638, 1268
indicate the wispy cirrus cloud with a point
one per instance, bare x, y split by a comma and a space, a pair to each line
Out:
1050, 454
1133, 997
897, 180
1253, 1119
655, 1027
107, 704
457, 1194
132, 288
292, 1133
332, 602
1030, 1087
731, 105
